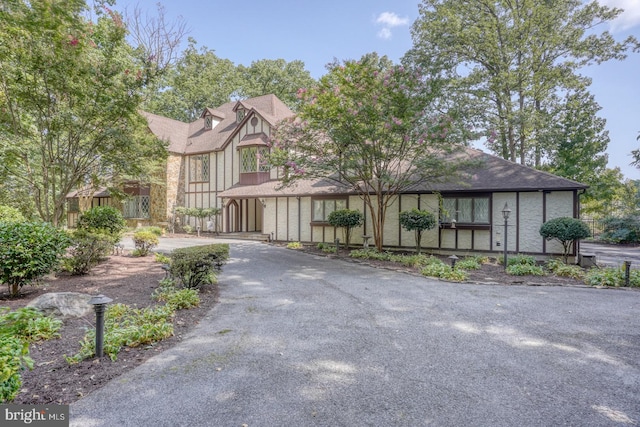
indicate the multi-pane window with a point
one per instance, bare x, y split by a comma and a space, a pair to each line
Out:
323, 207
136, 207
199, 168
252, 159
465, 210
74, 204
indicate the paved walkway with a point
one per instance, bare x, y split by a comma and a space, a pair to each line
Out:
307, 341
613, 255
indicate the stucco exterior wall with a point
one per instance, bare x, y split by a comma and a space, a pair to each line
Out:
559, 204
530, 219
499, 200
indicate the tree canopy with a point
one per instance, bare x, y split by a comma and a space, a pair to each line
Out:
369, 126
70, 89
513, 59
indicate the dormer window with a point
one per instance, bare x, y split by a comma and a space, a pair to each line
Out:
239, 115
208, 122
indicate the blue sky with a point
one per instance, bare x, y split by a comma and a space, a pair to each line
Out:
316, 32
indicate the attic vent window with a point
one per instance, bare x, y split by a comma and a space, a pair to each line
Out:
240, 115
208, 122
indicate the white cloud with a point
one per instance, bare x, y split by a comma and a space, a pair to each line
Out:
389, 20
627, 19
384, 33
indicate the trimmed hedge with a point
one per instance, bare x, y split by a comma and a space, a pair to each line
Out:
198, 265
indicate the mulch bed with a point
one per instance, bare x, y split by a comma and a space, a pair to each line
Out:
131, 281
125, 279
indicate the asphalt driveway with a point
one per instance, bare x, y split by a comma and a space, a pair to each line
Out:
306, 341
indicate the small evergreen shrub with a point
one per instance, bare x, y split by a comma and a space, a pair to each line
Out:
144, 241
566, 230
28, 251
86, 251
105, 220
418, 221
198, 265
347, 219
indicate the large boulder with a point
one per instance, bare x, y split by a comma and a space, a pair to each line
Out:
63, 304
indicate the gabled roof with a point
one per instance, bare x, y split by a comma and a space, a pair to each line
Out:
193, 138
493, 175
167, 129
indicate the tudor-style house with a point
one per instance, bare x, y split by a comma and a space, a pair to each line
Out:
215, 161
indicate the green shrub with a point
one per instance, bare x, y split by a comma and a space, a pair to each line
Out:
610, 276
294, 245
189, 229
525, 270
9, 214
469, 263
443, 271
347, 219
29, 324
566, 230
198, 265
152, 229
127, 326
621, 230
86, 251
103, 219
521, 260
327, 248
14, 358
178, 299
417, 220
559, 268
144, 241
17, 329
28, 251
162, 258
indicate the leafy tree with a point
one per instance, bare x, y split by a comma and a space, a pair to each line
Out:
566, 230
602, 198
28, 251
199, 79
580, 140
347, 219
418, 221
368, 127
9, 214
275, 76
199, 213
70, 90
513, 58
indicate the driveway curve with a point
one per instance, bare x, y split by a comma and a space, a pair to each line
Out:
308, 341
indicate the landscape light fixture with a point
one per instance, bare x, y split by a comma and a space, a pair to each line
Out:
505, 214
99, 303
